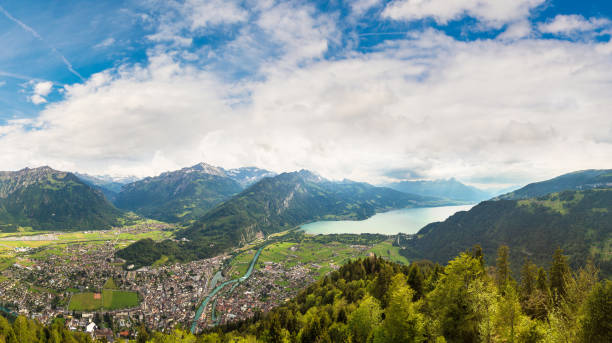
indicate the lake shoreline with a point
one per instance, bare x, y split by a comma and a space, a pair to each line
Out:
407, 220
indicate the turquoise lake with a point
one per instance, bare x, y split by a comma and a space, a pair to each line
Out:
409, 220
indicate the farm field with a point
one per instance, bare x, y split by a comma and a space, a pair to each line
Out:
388, 251
319, 256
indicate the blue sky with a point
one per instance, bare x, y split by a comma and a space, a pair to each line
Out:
257, 82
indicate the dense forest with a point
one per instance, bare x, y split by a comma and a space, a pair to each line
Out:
580, 222
373, 300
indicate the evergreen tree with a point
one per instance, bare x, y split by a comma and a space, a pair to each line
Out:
416, 281
452, 302
559, 272
502, 270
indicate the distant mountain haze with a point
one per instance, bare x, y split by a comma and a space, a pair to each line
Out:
109, 185
449, 189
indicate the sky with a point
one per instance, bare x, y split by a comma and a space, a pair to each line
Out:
491, 92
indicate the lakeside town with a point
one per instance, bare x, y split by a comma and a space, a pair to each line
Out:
42, 281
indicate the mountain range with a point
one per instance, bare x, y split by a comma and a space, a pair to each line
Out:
579, 180
449, 189
272, 205
573, 211
47, 199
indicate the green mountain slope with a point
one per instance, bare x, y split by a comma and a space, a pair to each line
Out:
580, 222
290, 199
272, 205
580, 180
449, 189
47, 199
180, 195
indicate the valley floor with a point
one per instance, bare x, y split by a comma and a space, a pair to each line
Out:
43, 275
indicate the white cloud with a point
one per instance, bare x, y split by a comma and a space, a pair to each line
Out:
430, 104
40, 91
493, 13
517, 30
2, 83
569, 25
488, 111
105, 43
361, 6
179, 21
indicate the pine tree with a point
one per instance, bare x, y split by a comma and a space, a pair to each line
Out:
559, 272
416, 281
502, 271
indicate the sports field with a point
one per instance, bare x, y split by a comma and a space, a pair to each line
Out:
109, 299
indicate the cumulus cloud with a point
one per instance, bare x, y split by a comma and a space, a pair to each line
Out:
491, 13
179, 20
426, 106
568, 25
40, 91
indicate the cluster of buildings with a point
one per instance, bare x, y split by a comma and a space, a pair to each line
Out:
171, 293
41, 283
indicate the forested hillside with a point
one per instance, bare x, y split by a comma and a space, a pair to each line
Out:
273, 205
47, 199
580, 222
579, 180
372, 300
178, 196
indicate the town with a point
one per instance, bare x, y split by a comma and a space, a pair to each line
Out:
42, 281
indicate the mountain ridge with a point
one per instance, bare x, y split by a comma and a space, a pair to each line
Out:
44, 198
577, 180
444, 188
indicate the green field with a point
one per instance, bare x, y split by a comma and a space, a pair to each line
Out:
114, 299
110, 284
110, 300
316, 256
388, 251
84, 302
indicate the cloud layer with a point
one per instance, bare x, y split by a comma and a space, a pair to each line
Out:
484, 111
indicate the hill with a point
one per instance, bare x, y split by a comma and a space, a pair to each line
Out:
47, 199
579, 180
580, 222
449, 189
272, 205
180, 195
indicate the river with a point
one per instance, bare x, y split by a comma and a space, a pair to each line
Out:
408, 220
220, 287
